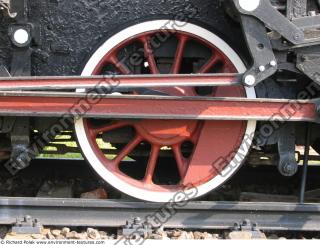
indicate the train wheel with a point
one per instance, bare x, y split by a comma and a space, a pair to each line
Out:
197, 147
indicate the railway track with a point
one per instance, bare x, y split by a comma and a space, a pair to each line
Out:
199, 215
194, 215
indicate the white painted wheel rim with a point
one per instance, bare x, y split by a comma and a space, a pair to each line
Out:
115, 181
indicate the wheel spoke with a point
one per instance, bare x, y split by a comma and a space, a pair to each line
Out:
127, 149
195, 137
180, 159
228, 69
179, 54
148, 52
152, 163
109, 127
210, 63
119, 65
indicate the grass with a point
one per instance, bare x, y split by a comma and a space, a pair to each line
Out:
64, 140
53, 149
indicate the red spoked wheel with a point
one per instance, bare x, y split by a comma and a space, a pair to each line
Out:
197, 147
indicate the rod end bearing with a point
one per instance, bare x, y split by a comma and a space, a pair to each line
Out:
249, 80
249, 5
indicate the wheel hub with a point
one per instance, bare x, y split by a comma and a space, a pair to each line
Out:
164, 132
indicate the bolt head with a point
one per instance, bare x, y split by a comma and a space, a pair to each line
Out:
289, 169
262, 68
297, 36
137, 220
246, 222
249, 80
249, 5
312, 13
273, 63
27, 217
21, 36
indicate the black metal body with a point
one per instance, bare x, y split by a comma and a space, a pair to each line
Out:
282, 40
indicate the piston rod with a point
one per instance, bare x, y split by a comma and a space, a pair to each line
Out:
109, 83
155, 107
